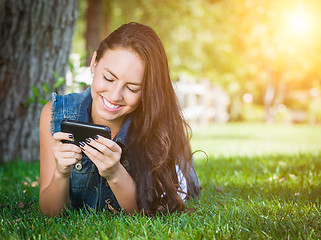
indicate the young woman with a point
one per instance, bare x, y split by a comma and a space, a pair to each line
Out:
148, 163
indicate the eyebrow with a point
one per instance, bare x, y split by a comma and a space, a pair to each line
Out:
114, 75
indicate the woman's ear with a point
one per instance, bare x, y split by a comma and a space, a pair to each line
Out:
93, 62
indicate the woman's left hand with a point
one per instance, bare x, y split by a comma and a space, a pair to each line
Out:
106, 156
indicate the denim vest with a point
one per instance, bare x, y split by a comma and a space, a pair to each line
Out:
87, 187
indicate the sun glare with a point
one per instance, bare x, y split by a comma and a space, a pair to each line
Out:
298, 22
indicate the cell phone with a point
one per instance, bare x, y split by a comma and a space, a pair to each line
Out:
83, 130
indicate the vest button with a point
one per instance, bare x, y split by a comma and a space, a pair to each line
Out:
78, 166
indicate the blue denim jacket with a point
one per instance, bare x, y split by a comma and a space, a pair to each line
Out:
87, 187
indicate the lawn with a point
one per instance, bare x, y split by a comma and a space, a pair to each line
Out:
259, 182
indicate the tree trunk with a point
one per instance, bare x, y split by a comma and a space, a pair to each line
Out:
35, 41
268, 102
97, 24
106, 8
274, 96
93, 26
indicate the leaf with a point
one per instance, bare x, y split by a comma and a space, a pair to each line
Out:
21, 204
35, 91
293, 176
83, 60
55, 74
46, 88
28, 101
82, 84
29, 183
71, 65
60, 81
43, 101
218, 189
35, 184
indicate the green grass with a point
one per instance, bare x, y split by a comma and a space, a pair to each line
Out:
260, 182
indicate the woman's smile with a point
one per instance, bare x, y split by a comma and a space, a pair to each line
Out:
109, 106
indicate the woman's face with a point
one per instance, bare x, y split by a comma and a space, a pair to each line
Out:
117, 85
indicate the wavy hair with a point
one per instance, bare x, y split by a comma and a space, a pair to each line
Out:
158, 129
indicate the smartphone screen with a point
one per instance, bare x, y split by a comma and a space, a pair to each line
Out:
83, 130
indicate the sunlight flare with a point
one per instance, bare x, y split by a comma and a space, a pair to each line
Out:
298, 22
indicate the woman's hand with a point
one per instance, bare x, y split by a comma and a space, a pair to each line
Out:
106, 156
66, 154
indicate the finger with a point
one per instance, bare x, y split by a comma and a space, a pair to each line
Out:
98, 146
67, 161
98, 157
64, 155
58, 136
93, 154
105, 164
66, 147
72, 155
70, 147
64, 166
104, 150
108, 143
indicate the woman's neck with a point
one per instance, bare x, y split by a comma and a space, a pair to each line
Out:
114, 125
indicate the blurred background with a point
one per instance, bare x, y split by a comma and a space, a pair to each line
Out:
240, 60
230, 60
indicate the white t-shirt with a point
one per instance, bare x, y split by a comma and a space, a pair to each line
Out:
182, 183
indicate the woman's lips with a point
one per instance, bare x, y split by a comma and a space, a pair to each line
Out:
110, 106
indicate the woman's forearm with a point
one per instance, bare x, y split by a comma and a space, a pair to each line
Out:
55, 198
124, 188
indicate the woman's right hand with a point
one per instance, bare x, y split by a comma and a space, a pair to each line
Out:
66, 154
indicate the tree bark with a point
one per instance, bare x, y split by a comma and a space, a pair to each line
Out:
93, 26
35, 41
97, 25
105, 29
268, 102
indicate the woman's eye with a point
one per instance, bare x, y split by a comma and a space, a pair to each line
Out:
133, 90
109, 80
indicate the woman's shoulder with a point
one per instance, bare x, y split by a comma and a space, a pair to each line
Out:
45, 117
46, 110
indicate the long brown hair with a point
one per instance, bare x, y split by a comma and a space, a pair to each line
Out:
158, 129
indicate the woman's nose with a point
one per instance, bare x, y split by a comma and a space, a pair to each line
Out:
116, 93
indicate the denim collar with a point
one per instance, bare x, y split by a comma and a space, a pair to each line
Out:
122, 136
85, 113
